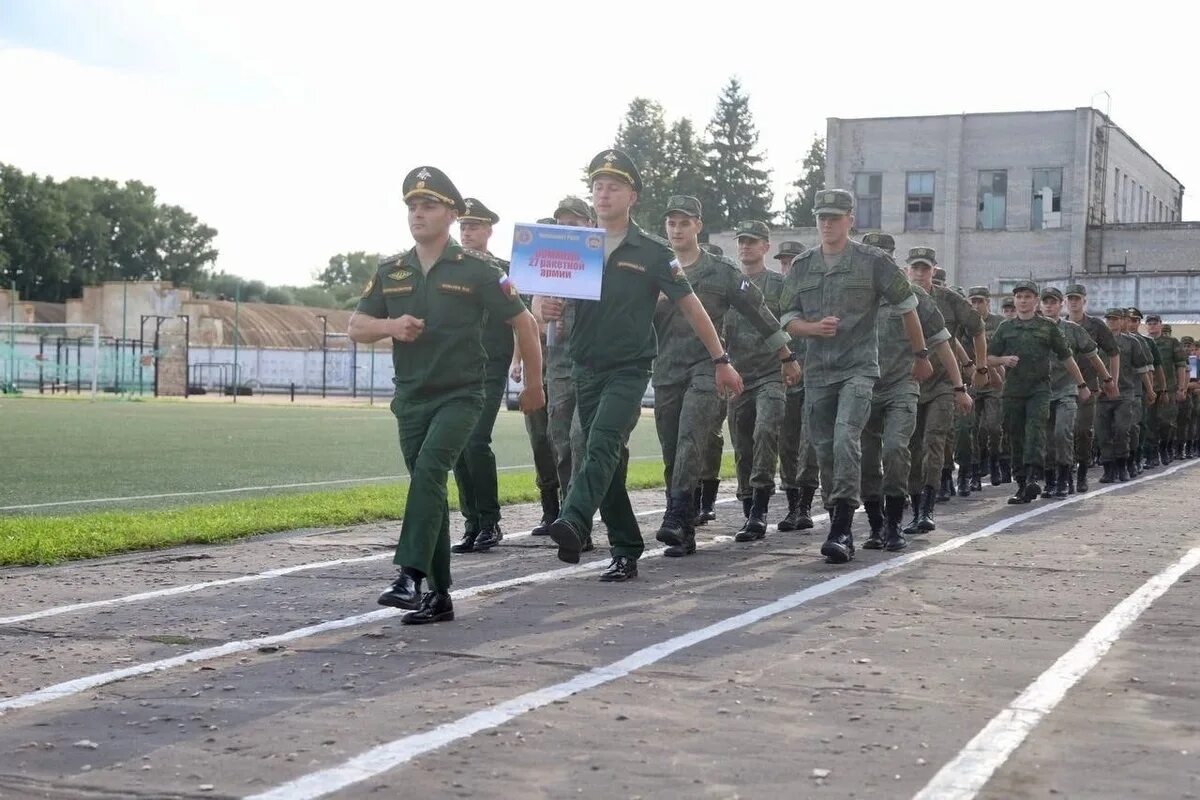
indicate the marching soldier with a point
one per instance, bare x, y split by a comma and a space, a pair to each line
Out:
1085, 419
433, 302
1140, 432
1175, 364
1115, 415
978, 434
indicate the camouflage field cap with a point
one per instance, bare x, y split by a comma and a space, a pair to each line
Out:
478, 212
1187, 340
1076, 289
755, 229
577, 206
613, 163
1116, 313
789, 250
833, 201
1166, 330
431, 182
713, 249
1026, 286
1150, 318
1133, 312
1053, 292
939, 276
884, 241
979, 291
922, 255
683, 204
547, 221
1008, 302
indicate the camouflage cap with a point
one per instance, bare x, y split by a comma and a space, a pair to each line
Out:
1153, 318
1187, 340
979, 291
1076, 288
712, 249
1116, 313
1051, 291
1008, 302
1166, 330
884, 241
790, 250
922, 255
1026, 286
960, 291
1133, 312
833, 201
683, 204
547, 221
754, 229
577, 206
613, 163
476, 211
939, 276
431, 182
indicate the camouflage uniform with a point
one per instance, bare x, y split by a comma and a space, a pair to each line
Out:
1085, 419
1166, 412
977, 433
1141, 443
563, 430
1115, 416
1060, 447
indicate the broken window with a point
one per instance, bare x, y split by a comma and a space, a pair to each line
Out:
993, 200
1047, 199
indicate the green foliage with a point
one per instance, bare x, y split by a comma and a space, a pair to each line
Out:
741, 189
642, 135
348, 269
799, 210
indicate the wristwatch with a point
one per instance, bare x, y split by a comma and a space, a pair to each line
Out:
791, 357
1109, 379
1081, 386
970, 363
960, 388
982, 370
922, 353
721, 359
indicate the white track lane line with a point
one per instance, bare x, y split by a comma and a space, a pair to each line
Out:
390, 755
78, 685
973, 767
254, 578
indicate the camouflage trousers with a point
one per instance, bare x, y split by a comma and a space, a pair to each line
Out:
537, 425
977, 434
1025, 421
886, 459
935, 418
686, 414
1114, 418
797, 459
710, 469
563, 430
1135, 429
834, 416
755, 423
1164, 420
1085, 427
1060, 442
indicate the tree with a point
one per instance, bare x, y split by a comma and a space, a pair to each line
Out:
36, 225
642, 135
741, 189
685, 161
280, 296
799, 208
349, 269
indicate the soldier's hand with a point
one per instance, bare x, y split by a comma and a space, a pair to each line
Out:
964, 402
516, 371
407, 328
922, 370
1085, 394
1110, 389
1181, 395
827, 327
980, 380
1009, 361
729, 382
552, 308
791, 373
533, 397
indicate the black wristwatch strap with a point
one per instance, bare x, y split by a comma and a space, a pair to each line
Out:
721, 359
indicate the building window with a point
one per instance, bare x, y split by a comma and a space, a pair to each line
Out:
868, 205
918, 202
993, 200
1047, 199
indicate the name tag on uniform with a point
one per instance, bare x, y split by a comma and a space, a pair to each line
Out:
629, 265
455, 288
398, 290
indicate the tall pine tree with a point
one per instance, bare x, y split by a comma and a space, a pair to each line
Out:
643, 137
685, 160
799, 211
740, 188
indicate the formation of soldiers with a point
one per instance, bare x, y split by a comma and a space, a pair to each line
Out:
836, 370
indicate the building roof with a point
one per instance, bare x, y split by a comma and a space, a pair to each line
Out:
266, 325
37, 311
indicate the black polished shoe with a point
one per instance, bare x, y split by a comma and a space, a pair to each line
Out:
874, 509
621, 569
405, 592
435, 607
569, 542
467, 544
489, 537
839, 545
893, 515
550, 511
756, 523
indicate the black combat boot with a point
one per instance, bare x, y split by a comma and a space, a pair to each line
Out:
1110, 473
756, 523
674, 521
804, 515
1005, 470
1070, 480
994, 471
708, 498
1060, 485
790, 520
874, 509
976, 478
925, 523
1051, 483
1033, 479
911, 528
1166, 453
893, 510
946, 488
839, 545
1020, 497
1081, 484
683, 503
550, 512
964, 489
697, 496
1124, 469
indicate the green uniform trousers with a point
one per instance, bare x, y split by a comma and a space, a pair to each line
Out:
714, 448
433, 434
475, 470
966, 443
797, 459
1025, 421
986, 415
1085, 427
834, 416
1114, 418
755, 423
1135, 429
686, 415
935, 418
1060, 445
565, 432
886, 459
609, 404
545, 466
1166, 416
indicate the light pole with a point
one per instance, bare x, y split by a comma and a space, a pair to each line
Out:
324, 350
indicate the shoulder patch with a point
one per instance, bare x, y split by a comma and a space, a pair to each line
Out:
392, 260
655, 238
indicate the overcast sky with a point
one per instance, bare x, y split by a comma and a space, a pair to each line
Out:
289, 126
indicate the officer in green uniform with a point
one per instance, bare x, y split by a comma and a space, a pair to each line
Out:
613, 346
798, 473
433, 302
977, 435
1024, 347
1140, 447
935, 408
1085, 419
686, 403
563, 430
1115, 414
1060, 445
757, 350
475, 471
832, 295
1175, 364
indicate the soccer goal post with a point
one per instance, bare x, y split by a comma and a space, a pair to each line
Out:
65, 354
